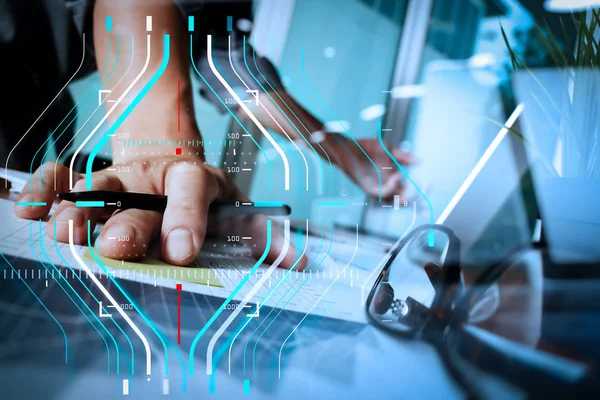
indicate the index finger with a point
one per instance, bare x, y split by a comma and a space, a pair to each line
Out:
190, 189
38, 195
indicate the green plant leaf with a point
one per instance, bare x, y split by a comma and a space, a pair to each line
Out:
568, 45
508, 47
579, 20
501, 125
557, 56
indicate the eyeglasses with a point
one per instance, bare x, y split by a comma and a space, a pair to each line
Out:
482, 321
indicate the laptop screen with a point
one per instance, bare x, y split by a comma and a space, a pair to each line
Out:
493, 211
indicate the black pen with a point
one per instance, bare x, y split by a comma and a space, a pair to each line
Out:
154, 202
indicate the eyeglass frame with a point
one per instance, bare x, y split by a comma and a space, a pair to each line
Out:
436, 331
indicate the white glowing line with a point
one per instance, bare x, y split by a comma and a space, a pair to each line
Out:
247, 298
273, 291
317, 302
111, 299
109, 112
237, 98
480, 164
94, 112
43, 112
273, 118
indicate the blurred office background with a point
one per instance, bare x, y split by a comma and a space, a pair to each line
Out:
435, 73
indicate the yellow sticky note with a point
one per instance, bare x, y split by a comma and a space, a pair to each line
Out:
156, 268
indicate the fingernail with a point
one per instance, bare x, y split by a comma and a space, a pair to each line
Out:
180, 244
71, 213
121, 231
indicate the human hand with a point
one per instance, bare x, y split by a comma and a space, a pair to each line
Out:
346, 155
191, 187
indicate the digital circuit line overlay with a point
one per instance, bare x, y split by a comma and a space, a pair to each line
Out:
141, 314
130, 107
431, 236
284, 277
111, 299
191, 23
75, 108
98, 302
67, 294
241, 103
108, 113
258, 102
343, 127
245, 300
42, 114
319, 160
282, 308
230, 297
62, 330
93, 112
256, 96
317, 302
377, 269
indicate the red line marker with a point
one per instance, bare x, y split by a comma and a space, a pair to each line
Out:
178, 287
178, 106
178, 151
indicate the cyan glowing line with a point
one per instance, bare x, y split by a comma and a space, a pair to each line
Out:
97, 301
76, 294
109, 296
237, 98
129, 109
108, 113
343, 126
377, 269
268, 204
89, 204
320, 161
45, 308
318, 300
140, 312
276, 304
291, 298
267, 111
245, 300
231, 296
232, 114
407, 176
31, 204
257, 101
244, 324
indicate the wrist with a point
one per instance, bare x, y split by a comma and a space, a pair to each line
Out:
329, 146
161, 141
